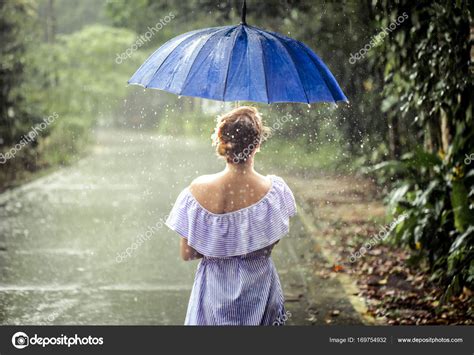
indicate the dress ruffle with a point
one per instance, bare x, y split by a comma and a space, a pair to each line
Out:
235, 233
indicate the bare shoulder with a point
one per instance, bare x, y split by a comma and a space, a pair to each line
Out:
204, 184
261, 182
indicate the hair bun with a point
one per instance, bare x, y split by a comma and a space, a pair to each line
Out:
224, 147
238, 134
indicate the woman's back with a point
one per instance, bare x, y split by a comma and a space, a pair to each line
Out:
232, 220
236, 282
226, 192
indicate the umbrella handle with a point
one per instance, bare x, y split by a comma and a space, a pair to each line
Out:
244, 13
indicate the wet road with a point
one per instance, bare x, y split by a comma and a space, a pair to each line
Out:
60, 237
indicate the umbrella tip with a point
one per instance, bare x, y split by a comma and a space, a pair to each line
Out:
244, 13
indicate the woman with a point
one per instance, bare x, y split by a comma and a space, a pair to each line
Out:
232, 220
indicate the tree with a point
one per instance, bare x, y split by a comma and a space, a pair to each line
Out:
428, 86
16, 19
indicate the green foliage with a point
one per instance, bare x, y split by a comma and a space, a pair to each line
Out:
427, 64
294, 157
72, 15
67, 141
16, 117
428, 82
435, 223
80, 72
81, 82
188, 124
75, 76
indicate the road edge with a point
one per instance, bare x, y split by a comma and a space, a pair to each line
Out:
348, 285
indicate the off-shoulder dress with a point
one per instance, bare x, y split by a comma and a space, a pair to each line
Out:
236, 282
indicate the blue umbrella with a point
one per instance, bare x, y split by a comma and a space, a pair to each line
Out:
243, 62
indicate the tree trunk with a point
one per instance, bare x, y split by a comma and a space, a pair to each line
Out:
433, 135
394, 137
446, 131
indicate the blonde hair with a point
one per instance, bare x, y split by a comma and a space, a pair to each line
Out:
239, 133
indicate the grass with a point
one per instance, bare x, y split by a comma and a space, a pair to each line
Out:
294, 157
68, 142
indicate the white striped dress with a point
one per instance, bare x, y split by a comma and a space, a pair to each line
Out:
236, 282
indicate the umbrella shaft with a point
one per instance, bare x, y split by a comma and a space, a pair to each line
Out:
244, 13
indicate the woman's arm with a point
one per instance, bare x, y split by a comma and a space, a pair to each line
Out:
187, 252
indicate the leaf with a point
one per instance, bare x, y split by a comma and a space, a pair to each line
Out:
461, 238
395, 165
398, 194
463, 217
424, 197
421, 158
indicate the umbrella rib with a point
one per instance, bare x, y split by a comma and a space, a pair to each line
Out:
283, 44
197, 55
317, 67
264, 71
166, 58
157, 50
228, 64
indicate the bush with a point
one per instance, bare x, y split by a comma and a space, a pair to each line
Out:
67, 140
436, 198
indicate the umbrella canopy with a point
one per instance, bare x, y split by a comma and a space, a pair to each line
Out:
242, 62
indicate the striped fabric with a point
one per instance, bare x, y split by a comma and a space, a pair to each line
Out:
236, 282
